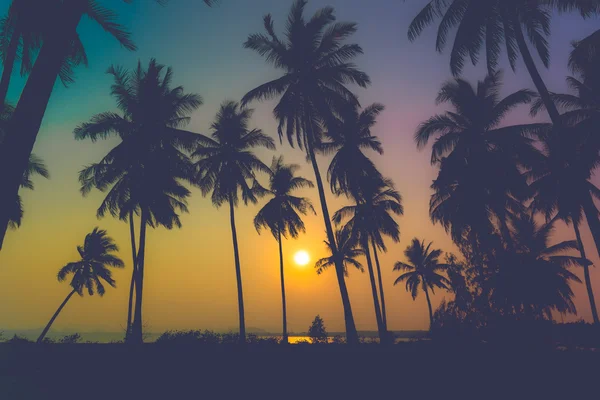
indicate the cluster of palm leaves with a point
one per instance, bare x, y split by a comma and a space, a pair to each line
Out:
494, 179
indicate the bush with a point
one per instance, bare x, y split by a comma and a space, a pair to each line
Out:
70, 339
317, 331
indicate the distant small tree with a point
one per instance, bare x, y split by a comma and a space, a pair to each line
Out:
317, 331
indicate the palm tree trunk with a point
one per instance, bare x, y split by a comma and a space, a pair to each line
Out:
285, 333
586, 273
9, 64
137, 335
238, 272
429, 305
380, 280
47, 328
27, 118
351, 333
365, 246
133, 274
535, 75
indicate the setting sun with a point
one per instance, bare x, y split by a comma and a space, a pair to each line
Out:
301, 258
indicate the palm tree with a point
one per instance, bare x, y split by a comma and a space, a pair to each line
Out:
226, 167
535, 280
23, 31
38, 89
143, 174
369, 220
281, 214
422, 270
348, 252
480, 184
90, 270
488, 25
316, 67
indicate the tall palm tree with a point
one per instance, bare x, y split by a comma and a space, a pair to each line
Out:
535, 280
422, 270
34, 98
348, 252
487, 26
143, 174
89, 272
22, 32
479, 185
227, 167
370, 219
281, 215
316, 67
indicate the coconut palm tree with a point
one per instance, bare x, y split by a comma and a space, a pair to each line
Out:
317, 66
422, 271
370, 219
535, 280
89, 272
227, 167
281, 215
143, 174
487, 26
348, 252
480, 184
22, 33
34, 98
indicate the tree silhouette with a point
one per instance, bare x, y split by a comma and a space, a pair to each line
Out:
422, 271
34, 98
316, 67
480, 183
227, 167
369, 220
281, 215
489, 25
143, 174
348, 252
316, 331
90, 270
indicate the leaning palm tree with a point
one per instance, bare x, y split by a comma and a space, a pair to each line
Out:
281, 215
480, 183
34, 98
422, 271
316, 67
227, 167
143, 173
370, 219
89, 272
348, 252
489, 25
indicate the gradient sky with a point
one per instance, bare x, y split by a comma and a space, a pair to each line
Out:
189, 278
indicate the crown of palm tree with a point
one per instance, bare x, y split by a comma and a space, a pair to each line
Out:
423, 268
226, 165
535, 279
93, 267
374, 217
347, 250
281, 214
350, 134
317, 67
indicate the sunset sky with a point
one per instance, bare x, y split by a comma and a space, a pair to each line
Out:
189, 276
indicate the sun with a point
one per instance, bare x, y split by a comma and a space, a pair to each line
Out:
301, 258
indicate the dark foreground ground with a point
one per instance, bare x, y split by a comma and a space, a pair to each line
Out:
409, 370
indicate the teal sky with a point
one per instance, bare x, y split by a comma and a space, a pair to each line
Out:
204, 47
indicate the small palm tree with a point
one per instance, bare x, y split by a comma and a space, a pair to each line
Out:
281, 215
89, 272
143, 174
316, 67
349, 251
489, 25
226, 168
422, 271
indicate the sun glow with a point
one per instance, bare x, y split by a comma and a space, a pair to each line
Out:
301, 258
